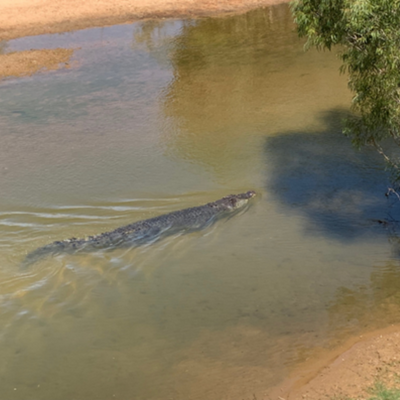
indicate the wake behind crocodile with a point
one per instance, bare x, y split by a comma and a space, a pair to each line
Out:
147, 231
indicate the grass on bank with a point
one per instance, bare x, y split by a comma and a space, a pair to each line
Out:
381, 392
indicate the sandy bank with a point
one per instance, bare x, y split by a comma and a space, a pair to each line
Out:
19, 18
29, 62
34, 17
348, 372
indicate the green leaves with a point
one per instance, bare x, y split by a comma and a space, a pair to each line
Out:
368, 32
320, 21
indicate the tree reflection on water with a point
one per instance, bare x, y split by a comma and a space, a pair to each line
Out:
224, 76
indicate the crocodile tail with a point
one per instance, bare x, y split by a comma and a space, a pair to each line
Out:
43, 252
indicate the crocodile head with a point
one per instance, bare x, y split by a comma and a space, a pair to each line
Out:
235, 201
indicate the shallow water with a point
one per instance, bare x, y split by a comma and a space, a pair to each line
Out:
155, 117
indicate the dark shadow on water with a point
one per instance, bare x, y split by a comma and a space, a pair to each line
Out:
339, 189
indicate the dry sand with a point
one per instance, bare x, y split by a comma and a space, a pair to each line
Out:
33, 17
20, 18
348, 373
29, 62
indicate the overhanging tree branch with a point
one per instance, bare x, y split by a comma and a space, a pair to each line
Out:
369, 37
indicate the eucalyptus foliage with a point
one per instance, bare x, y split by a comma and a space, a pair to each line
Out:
368, 35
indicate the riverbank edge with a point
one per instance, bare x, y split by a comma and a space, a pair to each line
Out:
50, 20
346, 371
39, 17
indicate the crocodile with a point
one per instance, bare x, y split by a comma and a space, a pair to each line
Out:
148, 230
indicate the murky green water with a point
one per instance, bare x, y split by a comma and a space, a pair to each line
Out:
155, 117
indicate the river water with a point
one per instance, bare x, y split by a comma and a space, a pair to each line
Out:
161, 115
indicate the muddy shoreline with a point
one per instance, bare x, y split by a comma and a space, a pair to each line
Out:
21, 18
347, 371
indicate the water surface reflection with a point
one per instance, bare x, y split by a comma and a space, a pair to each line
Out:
241, 77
